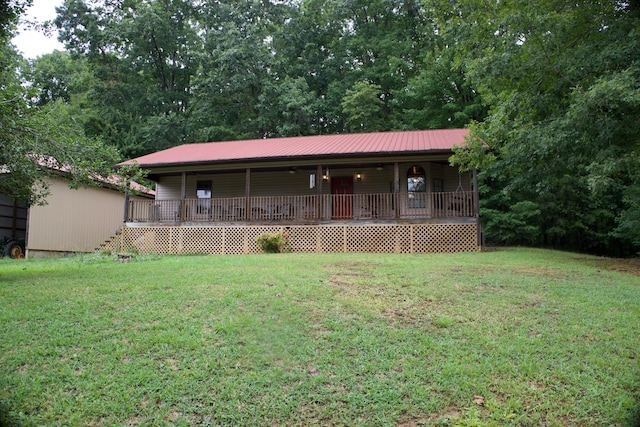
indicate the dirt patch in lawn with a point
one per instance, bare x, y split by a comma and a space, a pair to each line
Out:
355, 281
347, 282
413, 315
352, 267
347, 276
630, 266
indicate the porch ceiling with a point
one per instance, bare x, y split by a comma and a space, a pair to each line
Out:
299, 164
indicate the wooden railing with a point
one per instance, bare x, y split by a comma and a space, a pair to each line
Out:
305, 208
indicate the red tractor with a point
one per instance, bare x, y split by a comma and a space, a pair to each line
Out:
12, 248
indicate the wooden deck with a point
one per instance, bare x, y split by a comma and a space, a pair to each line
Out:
384, 222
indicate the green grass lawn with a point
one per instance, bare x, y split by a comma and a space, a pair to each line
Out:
516, 337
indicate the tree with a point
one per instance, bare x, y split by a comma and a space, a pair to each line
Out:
289, 108
440, 96
384, 42
38, 142
59, 76
165, 72
10, 10
563, 83
306, 47
362, 107
237, 69
143, 56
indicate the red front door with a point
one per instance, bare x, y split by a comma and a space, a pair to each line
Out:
342, 189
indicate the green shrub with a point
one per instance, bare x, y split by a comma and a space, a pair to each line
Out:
273, 243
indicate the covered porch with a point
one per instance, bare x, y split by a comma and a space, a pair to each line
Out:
419, 189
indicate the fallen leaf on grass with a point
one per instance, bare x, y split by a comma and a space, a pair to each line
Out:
478, 400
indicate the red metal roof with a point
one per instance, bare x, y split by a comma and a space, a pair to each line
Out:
380, 143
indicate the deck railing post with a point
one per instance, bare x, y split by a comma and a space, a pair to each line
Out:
183, 195
126, 215
396, 187
247, 195
319, 182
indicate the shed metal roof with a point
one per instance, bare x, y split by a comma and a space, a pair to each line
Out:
381, 143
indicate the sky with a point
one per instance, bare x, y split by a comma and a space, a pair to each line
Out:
32, 43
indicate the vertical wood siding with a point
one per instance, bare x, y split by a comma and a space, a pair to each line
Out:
75, 220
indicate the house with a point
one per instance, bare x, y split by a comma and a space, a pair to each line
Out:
369, 192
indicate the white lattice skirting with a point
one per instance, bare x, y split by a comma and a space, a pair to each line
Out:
387, 238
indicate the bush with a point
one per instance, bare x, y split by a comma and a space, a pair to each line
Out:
273, 243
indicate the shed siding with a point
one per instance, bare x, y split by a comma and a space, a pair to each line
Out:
74, 220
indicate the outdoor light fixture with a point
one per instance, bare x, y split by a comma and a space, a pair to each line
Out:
325, 177
292, 170
379, 167
358, 177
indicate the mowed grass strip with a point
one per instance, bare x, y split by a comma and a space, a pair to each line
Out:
512, 337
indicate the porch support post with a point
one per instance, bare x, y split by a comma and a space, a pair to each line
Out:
396, 187
319, 181
476, 205
247, 194
183, 195
126, 205
429, 188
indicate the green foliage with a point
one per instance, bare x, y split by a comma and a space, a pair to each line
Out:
60, 76
563, 81
514, 224
440, 96
142, 57
40, 142
362, 107
273, 243
165, 73
291, 106
10, 10
629, 220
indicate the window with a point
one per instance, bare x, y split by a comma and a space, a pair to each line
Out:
203, 191
416, 187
